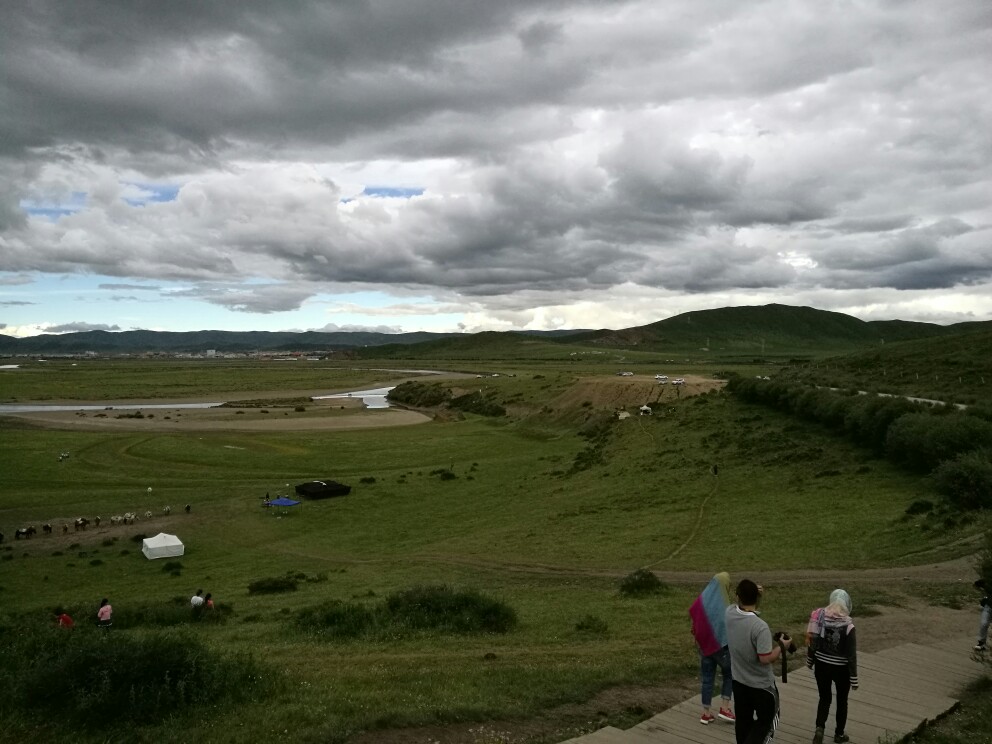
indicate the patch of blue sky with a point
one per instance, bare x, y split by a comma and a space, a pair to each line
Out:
387, 192
52, 209
140, 194
393, 192
125, 303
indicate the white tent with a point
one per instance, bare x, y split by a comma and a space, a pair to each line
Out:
162, 546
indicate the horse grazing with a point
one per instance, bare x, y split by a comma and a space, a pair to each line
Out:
188, 508
47, 529
25, 532
96, 521
166, 510
65, 529
80, 523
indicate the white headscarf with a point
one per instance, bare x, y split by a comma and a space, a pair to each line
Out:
840, 602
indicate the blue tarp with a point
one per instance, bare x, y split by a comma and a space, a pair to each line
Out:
283, 501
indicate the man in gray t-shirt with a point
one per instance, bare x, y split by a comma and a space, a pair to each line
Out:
752, 654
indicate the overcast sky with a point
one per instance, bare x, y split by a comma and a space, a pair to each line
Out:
490, 165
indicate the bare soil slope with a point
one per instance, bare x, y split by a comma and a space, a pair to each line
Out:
638, 390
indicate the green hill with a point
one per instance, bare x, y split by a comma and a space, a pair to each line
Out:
772, 330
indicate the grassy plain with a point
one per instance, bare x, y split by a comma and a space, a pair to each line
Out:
519, 520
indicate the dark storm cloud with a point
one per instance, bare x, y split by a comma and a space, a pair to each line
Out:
189, 77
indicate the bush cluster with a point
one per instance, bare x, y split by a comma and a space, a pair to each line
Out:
966, 481
79, 678
420, 394
953, 445
640, 583
478, 403
423, 608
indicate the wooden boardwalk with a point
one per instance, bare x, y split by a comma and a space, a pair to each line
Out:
901, 689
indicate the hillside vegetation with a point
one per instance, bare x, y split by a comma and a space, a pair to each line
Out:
955, 368
527, 522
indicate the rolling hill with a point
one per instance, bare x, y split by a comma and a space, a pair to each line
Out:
768, 330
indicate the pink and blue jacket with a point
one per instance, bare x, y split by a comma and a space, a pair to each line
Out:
707, 613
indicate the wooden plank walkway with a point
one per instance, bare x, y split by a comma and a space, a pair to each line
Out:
901, 689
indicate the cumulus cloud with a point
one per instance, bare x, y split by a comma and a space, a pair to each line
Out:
79, 327
544, 151
351, 328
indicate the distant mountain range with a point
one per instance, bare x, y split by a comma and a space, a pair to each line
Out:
198, 342
749, 330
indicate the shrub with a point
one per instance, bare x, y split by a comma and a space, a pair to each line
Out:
300, 409
367, 479
966, 480
921, 441
640, 583
919, 507
439, 607
419, 394
273, 585
592, 624
598, 426
444, 474
80, 679
478, 403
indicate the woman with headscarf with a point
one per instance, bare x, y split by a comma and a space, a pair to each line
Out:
709, 629
832, 652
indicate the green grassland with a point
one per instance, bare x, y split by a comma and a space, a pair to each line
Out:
147, 379
529, 512
955, 368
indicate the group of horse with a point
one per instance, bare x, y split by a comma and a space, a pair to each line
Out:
81, 523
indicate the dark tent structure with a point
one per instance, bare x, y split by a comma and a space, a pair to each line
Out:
322, 489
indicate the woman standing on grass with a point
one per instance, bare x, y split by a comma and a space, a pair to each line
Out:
709, 629
831, 650
104, 616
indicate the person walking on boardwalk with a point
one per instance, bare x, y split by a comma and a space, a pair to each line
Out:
983, 624
709, 629
832, 652
752, 654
